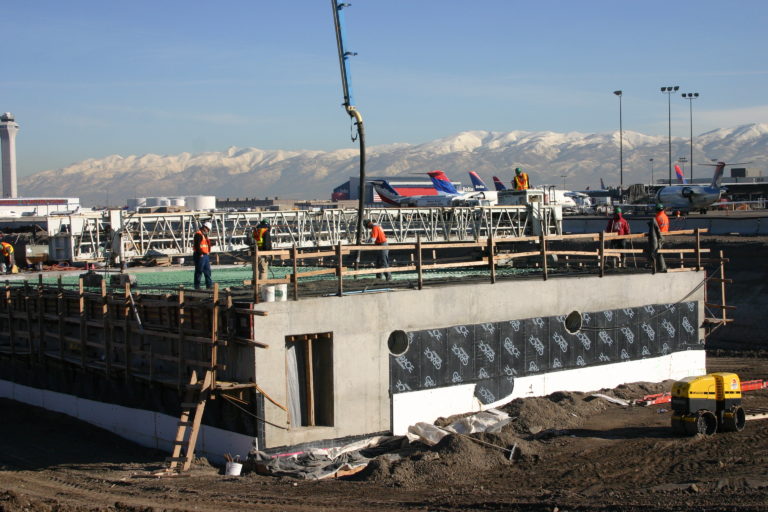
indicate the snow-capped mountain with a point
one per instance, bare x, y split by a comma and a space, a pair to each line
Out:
251, 172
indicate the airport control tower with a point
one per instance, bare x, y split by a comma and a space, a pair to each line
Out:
8, 129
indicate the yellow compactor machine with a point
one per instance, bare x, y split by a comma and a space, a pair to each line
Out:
707, 404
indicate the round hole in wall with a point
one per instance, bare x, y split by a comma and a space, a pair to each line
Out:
397, 343
573, 322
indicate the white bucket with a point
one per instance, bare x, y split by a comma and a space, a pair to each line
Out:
233, 469
281, 292
268, 294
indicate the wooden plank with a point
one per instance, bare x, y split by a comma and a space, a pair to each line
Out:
310, 382
720, 306
250, 312
321, 272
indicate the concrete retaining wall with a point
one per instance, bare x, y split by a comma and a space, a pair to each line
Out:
361, 325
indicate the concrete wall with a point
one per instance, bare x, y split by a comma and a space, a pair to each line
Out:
361, 325
147, 428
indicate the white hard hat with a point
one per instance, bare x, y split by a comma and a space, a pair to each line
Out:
208, 225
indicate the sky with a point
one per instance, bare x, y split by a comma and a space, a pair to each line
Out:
89, 78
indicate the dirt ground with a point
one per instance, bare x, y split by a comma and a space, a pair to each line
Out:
575, 453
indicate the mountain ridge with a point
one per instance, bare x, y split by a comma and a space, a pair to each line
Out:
582, 159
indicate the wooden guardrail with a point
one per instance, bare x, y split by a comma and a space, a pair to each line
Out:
491, 252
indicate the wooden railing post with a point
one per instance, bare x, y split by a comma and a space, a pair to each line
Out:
491, 255
83, 331
419, 263
340, 269
698, 249
294, 277
255, 274
601, 254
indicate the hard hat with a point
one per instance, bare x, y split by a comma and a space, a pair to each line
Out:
659, 207
617, 210
518, 170
208, 225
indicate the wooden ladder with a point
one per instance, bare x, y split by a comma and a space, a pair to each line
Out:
197, 393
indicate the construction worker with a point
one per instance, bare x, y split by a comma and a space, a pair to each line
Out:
521, 180
262, 239
7, 263
661, 218
618, 225
201, 246
379, 238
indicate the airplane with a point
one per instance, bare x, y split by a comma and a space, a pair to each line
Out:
447, 195
392, 197
693, 197
483, 193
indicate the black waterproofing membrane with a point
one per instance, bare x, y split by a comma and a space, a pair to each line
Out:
492, 355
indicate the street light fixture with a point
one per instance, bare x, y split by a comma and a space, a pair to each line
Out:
669, 90
621, 149
690, 96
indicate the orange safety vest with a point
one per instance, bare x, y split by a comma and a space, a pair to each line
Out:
258, 235
379, 238
7, 249
204, 246
663, 221
521, 181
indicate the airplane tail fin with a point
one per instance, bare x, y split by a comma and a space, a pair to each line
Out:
498, 184
602, 185
477, 182
386, 192
442, 184
718, 177
680, 176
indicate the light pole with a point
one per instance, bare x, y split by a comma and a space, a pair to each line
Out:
621, 149
690, 96
669, 90
651, 160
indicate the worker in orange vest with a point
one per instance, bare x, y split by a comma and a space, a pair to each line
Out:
262, 238
6, 250
661, 218
379, 238
201, 248
521, 180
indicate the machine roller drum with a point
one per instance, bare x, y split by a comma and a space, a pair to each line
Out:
734, 419
702, 422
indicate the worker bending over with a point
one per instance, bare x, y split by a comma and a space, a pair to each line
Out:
521, 180
379, 238
201, 247
262, 238
7, 265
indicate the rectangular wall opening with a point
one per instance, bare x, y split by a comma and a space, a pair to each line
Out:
309, 369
